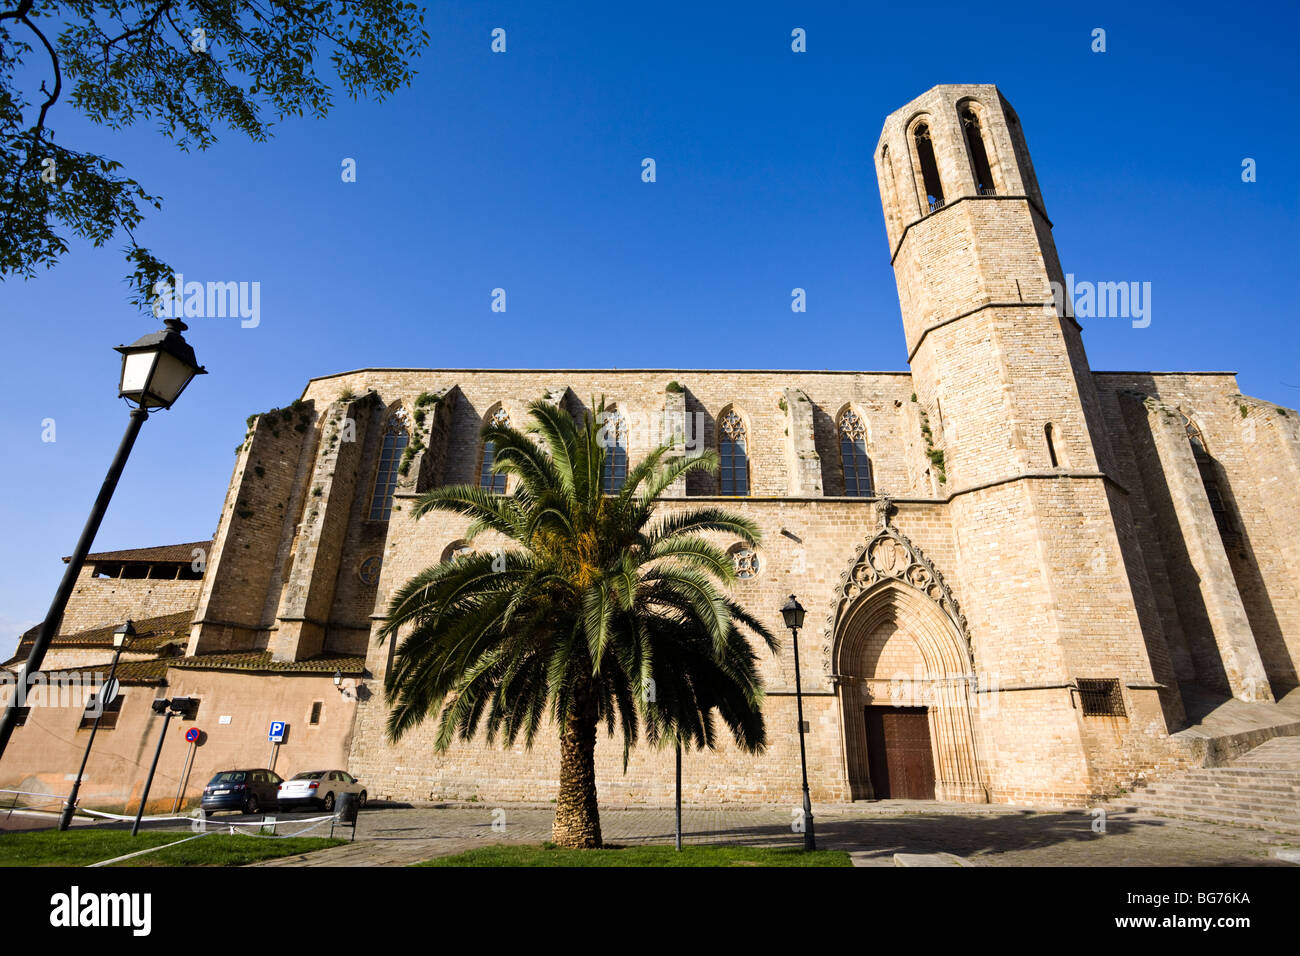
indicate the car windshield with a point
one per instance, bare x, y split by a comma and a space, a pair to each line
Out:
229, 776
309, 775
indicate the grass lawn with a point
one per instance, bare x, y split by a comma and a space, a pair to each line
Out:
81, 847
548, 854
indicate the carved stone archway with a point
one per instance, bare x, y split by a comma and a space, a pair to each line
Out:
894, 610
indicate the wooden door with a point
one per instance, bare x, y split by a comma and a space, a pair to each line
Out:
898, 753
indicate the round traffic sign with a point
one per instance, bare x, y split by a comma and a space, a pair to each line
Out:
192, 735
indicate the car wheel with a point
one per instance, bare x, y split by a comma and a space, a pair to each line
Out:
251, 806
361, 800
207, 814
328, 803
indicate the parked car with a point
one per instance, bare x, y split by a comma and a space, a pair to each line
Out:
319, 788
245, 790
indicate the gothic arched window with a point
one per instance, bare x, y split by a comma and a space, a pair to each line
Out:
614, 428
979, 157
929, 167
487, 480
390, 457
853, 455
734, 453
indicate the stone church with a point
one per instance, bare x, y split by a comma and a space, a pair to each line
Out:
1027, 581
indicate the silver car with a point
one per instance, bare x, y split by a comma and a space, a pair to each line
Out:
319, 788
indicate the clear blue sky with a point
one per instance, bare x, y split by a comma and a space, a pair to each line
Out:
522, 171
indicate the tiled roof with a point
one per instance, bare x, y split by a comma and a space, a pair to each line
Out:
261, 661
128, 672
163, 552
150, 633
153, 671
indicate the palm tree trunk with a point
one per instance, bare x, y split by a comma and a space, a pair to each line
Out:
577, 814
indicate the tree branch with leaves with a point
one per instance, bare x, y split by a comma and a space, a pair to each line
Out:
193, 68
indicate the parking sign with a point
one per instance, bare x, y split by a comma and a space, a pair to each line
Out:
278, 728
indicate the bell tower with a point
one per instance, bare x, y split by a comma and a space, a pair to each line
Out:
1051, 577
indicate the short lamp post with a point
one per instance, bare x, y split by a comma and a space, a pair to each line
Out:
121, 637
793, 613
155, 370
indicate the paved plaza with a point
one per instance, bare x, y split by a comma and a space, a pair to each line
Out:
872, 833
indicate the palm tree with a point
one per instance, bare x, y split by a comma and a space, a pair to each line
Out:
597, 612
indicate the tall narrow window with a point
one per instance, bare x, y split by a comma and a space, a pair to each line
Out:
979, 157
615, 437
390, 457
853, 455
1051, 445
1209, 478
734, 454
891, 200
929, 167
487, 480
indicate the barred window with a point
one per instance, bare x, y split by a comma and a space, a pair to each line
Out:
614, 427
734, 453
390, 457
487, 479
853, 456
1101, 697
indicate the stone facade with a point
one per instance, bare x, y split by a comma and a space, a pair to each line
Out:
1042, 559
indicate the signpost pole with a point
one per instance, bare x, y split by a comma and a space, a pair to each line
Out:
276, 735
185, 772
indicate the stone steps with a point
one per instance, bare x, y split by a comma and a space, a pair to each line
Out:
1255, 819
1280, 753
1229, 788
1260, 789
1243, 783
1242, 803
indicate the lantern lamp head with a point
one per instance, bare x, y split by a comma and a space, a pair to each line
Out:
157, 367
793, 613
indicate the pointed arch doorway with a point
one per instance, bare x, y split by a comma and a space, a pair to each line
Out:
903, 671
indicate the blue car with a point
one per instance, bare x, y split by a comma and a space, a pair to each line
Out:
245, 791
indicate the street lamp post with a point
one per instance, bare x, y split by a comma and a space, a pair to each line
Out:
679, 795
793, 613
155, 370
121, 637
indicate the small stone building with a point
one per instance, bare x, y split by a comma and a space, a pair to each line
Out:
1025, 579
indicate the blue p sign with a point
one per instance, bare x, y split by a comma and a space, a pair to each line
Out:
277, 731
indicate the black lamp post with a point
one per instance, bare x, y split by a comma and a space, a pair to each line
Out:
121, 637
155, 370
793, 614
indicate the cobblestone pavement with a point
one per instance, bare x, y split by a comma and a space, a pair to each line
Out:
873, 833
